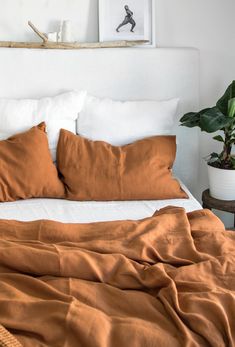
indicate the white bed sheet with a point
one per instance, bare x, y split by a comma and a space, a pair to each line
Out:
85, 212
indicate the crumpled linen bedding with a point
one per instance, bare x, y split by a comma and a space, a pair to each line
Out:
7, 339
167, 280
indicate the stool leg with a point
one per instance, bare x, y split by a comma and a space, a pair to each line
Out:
208, 208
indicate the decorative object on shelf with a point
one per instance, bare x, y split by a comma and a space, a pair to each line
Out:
39, 33
221, 166
49, 41
52, 37
67, 31
46, 44
127, 20
63, 35
59, 33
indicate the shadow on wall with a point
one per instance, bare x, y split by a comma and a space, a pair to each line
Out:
93, 21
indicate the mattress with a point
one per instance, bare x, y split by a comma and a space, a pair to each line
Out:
86, 212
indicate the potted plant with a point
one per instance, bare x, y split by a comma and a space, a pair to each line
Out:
221, 166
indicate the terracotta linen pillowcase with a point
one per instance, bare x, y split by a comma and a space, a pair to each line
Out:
26, 167
96, 170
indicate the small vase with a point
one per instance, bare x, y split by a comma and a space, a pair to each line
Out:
52, 37
59, 34
67, 32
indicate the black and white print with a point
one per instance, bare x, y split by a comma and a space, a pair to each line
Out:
126, 20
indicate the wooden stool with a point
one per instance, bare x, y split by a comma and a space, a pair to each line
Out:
221, 205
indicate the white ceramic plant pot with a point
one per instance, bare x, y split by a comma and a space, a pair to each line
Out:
221, 183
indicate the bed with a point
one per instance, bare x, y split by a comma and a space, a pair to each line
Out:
122, 273
86, 212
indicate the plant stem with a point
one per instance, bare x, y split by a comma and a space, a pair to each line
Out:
227, 147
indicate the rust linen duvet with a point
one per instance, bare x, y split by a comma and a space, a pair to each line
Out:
168, 280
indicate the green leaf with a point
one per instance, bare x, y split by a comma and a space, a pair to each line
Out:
213, 120
231, 107
232, 159
218, 138
192, 119
223, 102
231, 140
214, 155
187, 116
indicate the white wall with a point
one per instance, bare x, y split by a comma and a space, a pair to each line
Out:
205, 24
46, 15
209, 26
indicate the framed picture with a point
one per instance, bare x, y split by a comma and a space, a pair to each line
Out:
127, 20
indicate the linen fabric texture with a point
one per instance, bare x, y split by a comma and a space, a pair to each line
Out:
26, 167
167, 280
58, 112
96, 170
120, 123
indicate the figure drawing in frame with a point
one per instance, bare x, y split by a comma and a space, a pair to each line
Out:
128, 19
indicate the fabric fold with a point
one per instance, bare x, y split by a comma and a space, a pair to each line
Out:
167, 280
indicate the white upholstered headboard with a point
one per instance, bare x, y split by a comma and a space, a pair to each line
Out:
122, 74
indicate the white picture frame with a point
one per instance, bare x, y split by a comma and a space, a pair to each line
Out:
118, 17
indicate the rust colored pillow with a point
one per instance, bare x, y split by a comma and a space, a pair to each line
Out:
96, 170
26, 167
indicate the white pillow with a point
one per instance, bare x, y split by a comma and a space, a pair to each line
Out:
120, 123
58, 112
